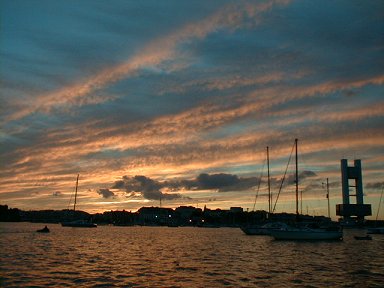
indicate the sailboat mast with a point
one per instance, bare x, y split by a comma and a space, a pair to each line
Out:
329, 209
269, 184
378, 209
297, 179
77, 183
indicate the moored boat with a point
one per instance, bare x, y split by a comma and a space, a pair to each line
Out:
308, 234
366, 237
44, 230
376, 230
263, 229
80, 223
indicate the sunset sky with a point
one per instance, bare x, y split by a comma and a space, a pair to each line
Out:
178, 100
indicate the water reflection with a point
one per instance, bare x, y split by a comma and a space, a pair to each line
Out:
181, 257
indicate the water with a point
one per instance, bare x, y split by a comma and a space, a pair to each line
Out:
111, 256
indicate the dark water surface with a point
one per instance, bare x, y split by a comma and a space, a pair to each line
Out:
111, 256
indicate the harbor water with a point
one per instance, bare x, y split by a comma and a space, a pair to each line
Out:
110, 256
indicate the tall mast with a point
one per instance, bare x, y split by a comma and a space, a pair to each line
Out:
378, 209
269, 184
297, 180
329, 213
77, 183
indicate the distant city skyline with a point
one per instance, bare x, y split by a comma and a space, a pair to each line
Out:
178, 100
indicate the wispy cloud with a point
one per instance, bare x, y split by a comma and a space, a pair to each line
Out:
154, 53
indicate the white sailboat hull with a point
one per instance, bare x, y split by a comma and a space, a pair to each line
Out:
263, 229
255, 230
79, 223
376, 230
307, 234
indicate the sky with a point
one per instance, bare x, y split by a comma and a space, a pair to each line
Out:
178, 100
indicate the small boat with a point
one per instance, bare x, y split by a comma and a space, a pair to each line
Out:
44, 230
80, 223
366, 237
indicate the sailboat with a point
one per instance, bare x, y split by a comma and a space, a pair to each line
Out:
377, 230
263, 229
79, 222
308, 231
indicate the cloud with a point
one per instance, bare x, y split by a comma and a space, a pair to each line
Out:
162, 49
223, 182
306, 174
106, 193
375, 185
216, 181
302, 175
149, 188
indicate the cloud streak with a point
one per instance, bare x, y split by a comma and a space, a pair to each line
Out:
153, 54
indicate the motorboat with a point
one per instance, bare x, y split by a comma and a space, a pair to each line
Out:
366, 237
44, 230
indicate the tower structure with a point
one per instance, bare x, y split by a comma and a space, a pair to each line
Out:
351, 177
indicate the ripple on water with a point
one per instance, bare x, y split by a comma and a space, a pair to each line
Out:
184, 257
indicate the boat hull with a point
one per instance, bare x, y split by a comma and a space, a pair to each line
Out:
79, 224
42, 231
255, 230
263, 229
309, 235
376, 230
363, 237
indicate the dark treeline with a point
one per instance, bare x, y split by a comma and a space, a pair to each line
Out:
157, 216
9, 215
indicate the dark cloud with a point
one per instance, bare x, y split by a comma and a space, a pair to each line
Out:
150, 189
244, 183
349, 93
302, 175
375, 185
216, 181
306, 174
225, 182
120, 184
334, 184
106, 193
